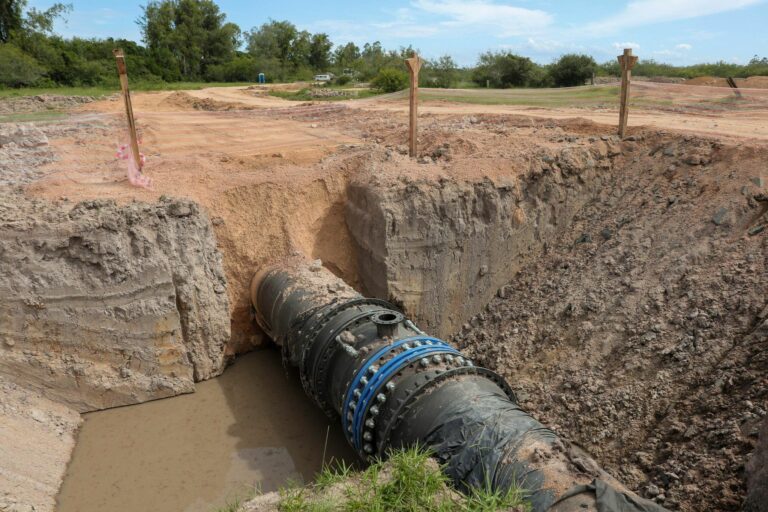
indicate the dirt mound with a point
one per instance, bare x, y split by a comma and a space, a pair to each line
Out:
753, 82
183, 101
41, 102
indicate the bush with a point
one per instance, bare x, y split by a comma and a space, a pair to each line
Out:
18, 69
390, 80
503, 70
572, 70
343, 79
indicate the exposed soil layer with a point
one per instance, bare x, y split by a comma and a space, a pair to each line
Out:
641, 331
104, 305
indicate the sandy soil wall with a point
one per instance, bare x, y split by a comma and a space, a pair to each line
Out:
442, 248
103, 305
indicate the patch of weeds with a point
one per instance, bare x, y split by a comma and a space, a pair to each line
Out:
233, 504
486, 499
333, 473
408, 481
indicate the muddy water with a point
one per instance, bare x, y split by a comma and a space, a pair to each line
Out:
253, 426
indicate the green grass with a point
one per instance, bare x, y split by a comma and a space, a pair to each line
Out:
233, 504
408, 481
106, 90
563, 97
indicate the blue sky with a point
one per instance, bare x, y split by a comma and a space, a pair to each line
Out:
675, 31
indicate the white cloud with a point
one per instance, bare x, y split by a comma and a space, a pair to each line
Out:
621, 46
684, 46
646, 12
507, 20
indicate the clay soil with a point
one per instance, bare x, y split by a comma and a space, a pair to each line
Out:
272, 176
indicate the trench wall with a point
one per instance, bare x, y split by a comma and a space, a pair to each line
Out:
102, 305
442, 248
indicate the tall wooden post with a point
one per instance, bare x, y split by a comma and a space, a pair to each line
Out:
123, 73
627, 62
414, 65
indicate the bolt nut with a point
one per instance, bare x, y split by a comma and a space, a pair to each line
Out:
373, 369
356, 393
368, 448
437, 359
370, 423
424, 362
349, 429
352, 405
470, 363
381, 397
449, 358
374, 410
367, 436
390, 386
460, 360
364, 381
417, 343
406, 347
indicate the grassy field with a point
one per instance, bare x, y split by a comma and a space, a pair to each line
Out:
107, 90
564, 97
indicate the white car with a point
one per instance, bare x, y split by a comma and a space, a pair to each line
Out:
323, 78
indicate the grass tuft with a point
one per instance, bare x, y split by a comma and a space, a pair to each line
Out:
408, 481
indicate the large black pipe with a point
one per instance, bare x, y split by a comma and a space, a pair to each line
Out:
392, 385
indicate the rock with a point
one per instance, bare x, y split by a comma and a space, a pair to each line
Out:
721, 216
652, 491
585, 238
756, 230
606, 233
483, 270
758, 181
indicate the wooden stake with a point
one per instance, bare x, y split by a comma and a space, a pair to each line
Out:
414, 65
123, 73
627, 62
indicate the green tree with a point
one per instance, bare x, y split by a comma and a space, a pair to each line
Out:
503, 69
184, 37
18, 69
442, 72
572, 70
346, 57
390, 80
11, 17
273, 40
320, 52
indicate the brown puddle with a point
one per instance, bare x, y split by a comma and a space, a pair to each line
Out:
253, 426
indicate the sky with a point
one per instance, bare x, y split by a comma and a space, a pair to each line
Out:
675, 31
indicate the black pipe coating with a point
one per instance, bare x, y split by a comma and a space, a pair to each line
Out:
394, 386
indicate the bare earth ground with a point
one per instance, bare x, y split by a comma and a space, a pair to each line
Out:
272, 176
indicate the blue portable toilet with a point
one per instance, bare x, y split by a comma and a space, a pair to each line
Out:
262, 78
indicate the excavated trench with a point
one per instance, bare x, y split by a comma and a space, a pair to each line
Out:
618, 286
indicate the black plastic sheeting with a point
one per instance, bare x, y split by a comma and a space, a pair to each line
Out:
609, 499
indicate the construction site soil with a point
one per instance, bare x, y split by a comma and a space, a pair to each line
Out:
619, 285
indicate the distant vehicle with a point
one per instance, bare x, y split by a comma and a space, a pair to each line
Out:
324, 78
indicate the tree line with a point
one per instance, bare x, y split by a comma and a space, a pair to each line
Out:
192, 40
